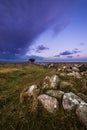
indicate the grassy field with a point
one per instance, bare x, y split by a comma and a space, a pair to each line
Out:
14, 78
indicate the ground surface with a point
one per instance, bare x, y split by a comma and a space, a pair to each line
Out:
15, 116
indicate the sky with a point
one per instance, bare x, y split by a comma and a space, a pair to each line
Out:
47, 30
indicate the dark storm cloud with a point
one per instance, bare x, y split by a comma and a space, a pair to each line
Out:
41, 48
67, 52
21, 21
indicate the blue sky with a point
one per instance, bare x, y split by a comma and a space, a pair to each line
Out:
45, 30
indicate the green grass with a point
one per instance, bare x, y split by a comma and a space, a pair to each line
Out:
14, 78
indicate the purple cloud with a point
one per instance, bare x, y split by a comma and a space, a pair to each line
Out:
41, 48
69, 56
82, 44
67, 52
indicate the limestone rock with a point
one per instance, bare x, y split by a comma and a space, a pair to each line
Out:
74, 74
82, 96
46, 83
55, 93
51, 82
75, 69
49, 103
31, 89
62, 75
81, 113
65, 85
54, 82
83, 67
71, 101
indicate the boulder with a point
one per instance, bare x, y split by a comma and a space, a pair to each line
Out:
50, 65
75, 69
51, 82
31, 89
65, 85
83, 67
54, 82
55, 93
46, 83
71, 101
82, 96
62, 75
49, 103
81, 113
74, 74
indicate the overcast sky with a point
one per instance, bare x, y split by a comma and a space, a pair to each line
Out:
44, 29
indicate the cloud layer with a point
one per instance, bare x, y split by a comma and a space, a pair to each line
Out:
21, 21
68, 53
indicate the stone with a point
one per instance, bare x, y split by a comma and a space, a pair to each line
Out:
82, 96
81, 113
74, 74
49, 103
50, 65
31, 89
54, 82
75, 69
55, 93
62, 75
71, 101
46, 83
65, 85
83, 67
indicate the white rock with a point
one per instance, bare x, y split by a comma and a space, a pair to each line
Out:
81, 113
31, 89
71, 101
54, 81
49, 103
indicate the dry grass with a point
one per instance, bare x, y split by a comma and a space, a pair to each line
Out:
30, 115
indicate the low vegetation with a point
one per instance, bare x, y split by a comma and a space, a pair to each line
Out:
15, 78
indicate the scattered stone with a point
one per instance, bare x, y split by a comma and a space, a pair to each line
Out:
49, 103
50, 65
81, 113
83, 67
82, 96
58, 69
64, 68
55, 93
71, 101
74, 74
62, 75
75, 69
65, 85
31, 89
46, 83
54, 82
69, 70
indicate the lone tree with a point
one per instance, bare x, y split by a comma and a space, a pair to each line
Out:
32, 60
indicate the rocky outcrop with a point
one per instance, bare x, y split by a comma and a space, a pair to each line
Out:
81, 113
71, 101
64, 85
49, 103
54, 81
74, 74
82, 96
55, 93
51, 82
83, 67
31, 89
